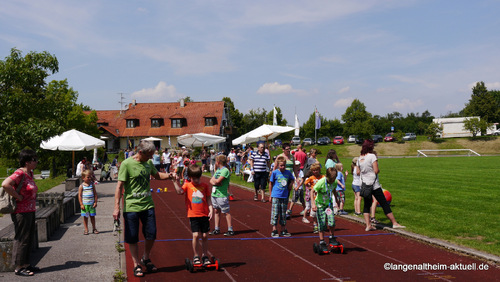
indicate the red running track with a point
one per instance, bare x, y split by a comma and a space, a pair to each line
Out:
253, 255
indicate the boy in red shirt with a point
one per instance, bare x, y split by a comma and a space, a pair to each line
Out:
199, 210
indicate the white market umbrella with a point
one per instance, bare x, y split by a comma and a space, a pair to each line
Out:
200, 139
262, 133
152, 139
72, 140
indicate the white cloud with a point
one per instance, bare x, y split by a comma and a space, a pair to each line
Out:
161, 91
343, 103
412, 80
276, 88
344, 90
489, 85
407, 104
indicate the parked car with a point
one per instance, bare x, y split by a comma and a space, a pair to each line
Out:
352, 138
377, 138
389, 137
278, 142
496, 132
308, 141
338, 140
410, 136
324, 141
359, 140
295, 141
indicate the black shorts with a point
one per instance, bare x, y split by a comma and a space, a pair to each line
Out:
200, 224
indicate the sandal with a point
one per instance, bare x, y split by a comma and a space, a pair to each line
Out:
206, 261
149, 265
196, 260
374, 221
85, 233
138, 271
33, 268
95, 231
24, 272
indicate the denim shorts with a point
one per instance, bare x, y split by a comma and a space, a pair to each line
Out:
148, 220
356, 188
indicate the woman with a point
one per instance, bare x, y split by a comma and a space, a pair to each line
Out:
24, 216
369, 170
290, 159
331, 159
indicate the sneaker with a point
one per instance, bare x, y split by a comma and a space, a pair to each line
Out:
305, 220
335, 210
358, 213
285, 233
333, 241
343, 212
215, 232
315, 229
288, 212
275, 234
229, 233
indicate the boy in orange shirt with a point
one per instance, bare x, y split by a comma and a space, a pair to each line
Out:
199, 210
315, 170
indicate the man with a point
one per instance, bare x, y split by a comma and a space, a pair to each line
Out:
259, 165
133, 184
231, 157
300, 156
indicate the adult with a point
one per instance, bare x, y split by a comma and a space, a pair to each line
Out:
239, 157
156, 160
81, 167
289, 158
138, 205
312, 159
369, 170
259, 165
331, 159
204, 157
166, 158
212, 162
24, 215
300, 156
231, 157
114, 167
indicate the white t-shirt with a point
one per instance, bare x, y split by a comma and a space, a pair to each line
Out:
232, 157
368, 176
355, 177
166, 158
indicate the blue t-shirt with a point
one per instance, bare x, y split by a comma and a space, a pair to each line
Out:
280, 181
340, 178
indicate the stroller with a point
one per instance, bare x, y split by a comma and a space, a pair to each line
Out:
106, 173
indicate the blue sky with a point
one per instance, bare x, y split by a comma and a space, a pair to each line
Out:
405, 56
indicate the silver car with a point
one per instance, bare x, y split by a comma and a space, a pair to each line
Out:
295, 141
410, 136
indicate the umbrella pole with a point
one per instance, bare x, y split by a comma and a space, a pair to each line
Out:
73, 164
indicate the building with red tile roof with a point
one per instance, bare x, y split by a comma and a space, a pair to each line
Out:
164, 121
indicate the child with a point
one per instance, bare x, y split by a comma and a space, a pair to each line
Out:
340, 188
324, 190
281, 182
87, 196
310, 182
220, 195
199, 210
356, 186
298, 191
186, 162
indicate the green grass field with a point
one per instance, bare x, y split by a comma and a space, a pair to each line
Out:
456, 199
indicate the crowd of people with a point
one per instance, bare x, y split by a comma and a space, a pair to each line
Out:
321, 196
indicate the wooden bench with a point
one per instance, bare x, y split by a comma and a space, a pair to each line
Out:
7, 244
47, 222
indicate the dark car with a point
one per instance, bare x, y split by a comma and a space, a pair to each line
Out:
338, 140
377, 138
359, 140
389, 137
324, 141
278, 142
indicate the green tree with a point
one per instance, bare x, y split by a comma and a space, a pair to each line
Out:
475, 125
358, 121
434, 131
235, 117
482, 103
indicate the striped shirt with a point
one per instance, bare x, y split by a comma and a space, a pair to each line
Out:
88, 194
260, 161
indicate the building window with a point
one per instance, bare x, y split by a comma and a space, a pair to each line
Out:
131, 123
177, 123
211, 121
102, 124
157, 122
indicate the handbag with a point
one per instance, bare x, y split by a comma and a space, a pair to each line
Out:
366, 190
7, 202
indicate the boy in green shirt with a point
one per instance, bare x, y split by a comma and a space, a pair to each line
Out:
220, 195
322, 204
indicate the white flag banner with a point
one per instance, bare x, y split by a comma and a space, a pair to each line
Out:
297, 125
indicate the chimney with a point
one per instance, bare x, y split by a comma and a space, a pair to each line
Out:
134, 102
182, 103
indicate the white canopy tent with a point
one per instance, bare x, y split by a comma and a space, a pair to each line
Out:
262, 133
72, 140
152, 139
200, 139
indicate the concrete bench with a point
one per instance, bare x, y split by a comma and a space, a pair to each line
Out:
71, 183
47, 222
73, 197
6, 246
